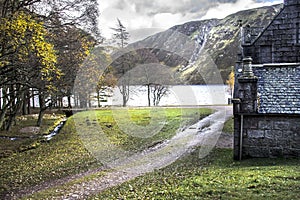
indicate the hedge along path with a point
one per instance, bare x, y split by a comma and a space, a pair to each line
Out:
204, 133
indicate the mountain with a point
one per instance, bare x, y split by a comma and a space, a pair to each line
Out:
202, 52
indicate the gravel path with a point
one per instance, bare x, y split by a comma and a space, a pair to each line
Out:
206, 133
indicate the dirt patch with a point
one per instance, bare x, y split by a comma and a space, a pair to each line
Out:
225, 141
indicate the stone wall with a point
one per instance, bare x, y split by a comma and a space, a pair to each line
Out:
280, 41
268, 136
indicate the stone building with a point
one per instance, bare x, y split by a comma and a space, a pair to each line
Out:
267, 88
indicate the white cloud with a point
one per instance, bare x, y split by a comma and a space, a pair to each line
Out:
150, 15
166, 19
224, 9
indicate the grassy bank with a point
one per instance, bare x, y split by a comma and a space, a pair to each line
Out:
66, 154
228, 126
28, 139
62, 156
215, 177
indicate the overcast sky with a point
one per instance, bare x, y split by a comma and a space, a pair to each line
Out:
145, 17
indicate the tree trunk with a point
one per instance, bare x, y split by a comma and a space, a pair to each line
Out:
149, 93
13, 115
90, 102
26, 101
5, 106
2, 115
98, 98
0, 98
40, 118
125, 94
69, 101
33, 101
28, 104
75, 101
61, 103
43, 108
17, 106
82, 101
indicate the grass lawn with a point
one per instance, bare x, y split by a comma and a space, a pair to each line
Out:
136, 129
66, 154
215, 177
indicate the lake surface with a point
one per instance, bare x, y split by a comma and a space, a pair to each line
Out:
182, 95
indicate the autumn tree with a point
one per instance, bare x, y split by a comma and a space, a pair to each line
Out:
73, 45
28, 58
24, 54
230, 82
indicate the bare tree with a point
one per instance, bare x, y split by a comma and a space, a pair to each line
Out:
158, 91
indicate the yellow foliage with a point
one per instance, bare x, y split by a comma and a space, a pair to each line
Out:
22, 35
230, 81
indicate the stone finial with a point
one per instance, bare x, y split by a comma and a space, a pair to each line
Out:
247, 67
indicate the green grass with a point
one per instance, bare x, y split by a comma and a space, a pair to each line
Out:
215, 177
137, 132
228, 126
66, 153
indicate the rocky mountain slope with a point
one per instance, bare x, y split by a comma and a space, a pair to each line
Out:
202, 52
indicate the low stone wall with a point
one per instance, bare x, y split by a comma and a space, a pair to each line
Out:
268, 136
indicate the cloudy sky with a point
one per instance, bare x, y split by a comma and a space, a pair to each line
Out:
145, 17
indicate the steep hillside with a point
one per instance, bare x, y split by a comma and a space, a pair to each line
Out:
177, 45
223, 43
200, 51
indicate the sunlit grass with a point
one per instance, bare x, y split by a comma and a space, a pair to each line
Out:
137, 129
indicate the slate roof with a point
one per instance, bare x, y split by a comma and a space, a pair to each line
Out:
278, 88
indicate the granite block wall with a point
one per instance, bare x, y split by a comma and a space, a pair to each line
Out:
269, 136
